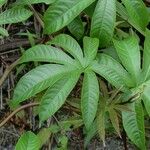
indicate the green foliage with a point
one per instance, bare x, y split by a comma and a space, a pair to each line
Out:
129, 54
61, 13
52, 76
76, 27
28, 141
14, 15
103, 21
133, 123
89, 98
62, 61
137, 13
56, 95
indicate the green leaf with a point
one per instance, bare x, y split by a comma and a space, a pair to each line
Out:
61, 13
46, 53
76, 28
69, 44
121, 11
146, 99
56, 95
112, 71
146, 54
14, 15
3, 32
28, 141
29, 2
133, 123
103, 21
89, 98
90, 46
90, 134
38, 80
137, 13
129, 53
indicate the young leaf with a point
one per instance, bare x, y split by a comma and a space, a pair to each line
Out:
129, 53
133, 123
112, 71
69, 44
137, 13
146, 54
89, 98
56, 95
76, 28
103, 21
28, 141
90, 46
46, 53
38, 80
61, 13
14, 15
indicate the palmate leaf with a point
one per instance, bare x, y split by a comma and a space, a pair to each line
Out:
28, 141
56, 95
61, 13
112, 71
38, 80
90, 47
129, 53
146, 59
133, 123
103, 21
46, 53
29, 2
69, 44
76, 27
137, 13
14, 15
89, 98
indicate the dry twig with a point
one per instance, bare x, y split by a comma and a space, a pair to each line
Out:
16, 111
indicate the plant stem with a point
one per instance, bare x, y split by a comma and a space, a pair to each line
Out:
16, 111
37, 16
